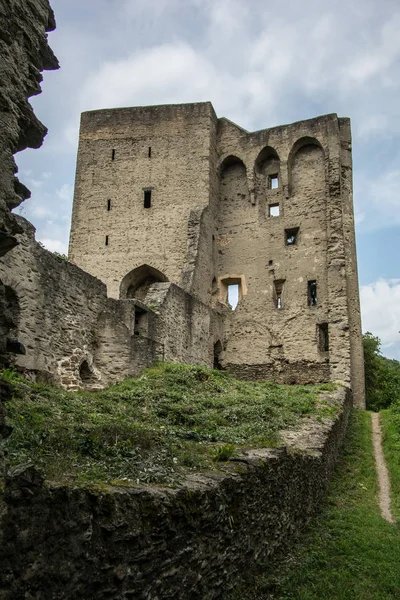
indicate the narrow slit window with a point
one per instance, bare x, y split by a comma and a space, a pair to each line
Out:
108, 204
291, 236
312, 293
273, 182
107, 240
278, 293
149, 151
147, 199
233, 295
323, 337
112, 154
273, 210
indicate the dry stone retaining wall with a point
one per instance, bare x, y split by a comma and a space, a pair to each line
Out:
155, 543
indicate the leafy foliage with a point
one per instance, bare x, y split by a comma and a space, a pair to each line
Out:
382, 375
154, 428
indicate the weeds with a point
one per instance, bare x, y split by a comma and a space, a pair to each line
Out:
153, 429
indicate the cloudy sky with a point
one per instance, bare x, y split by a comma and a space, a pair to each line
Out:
261, 63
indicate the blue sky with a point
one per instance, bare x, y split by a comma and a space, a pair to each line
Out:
261, 63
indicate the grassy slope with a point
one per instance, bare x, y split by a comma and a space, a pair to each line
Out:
151, 429
390, 423
350, 553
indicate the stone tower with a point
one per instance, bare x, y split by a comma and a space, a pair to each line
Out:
174, 194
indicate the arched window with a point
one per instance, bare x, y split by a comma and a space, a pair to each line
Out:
137, 282
267, 172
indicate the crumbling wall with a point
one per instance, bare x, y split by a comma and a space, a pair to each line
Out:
297, 190
24, 54
62, 309
184, 327
269, 211
193, 542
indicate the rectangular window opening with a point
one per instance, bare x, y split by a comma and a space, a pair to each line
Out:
149, 151
291, 236
147, 199
140, 327
108, 204
233, 295
106, 240
112, 154
273, 182
278, 293
312, 293
323, 337
273, 210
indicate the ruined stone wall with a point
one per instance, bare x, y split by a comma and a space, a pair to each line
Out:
64, 318
123, 153
266, 339
193, 542
185, 328
61, 314
24, 54
269, 211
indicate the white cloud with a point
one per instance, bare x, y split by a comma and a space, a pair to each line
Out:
380, 309
55, 245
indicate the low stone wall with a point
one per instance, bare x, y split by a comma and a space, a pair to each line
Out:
301, 372
154, 543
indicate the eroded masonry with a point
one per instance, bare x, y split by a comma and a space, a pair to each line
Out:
173, 205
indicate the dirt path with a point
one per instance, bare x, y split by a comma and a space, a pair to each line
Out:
381, 468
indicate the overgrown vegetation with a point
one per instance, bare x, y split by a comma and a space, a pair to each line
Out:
152, 429
350, 552
382, 375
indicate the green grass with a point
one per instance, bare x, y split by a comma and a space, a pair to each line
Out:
390, 423
350, 552
153, 429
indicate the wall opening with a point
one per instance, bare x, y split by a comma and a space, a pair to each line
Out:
312, 292
149, 151
278, 293
291, 236
233, 295
323, 337
108, 204
112, 154
147, 199
217, 355
107, 240
232, 289
273, 210
86, 374
273, 181
137, 282
141, 322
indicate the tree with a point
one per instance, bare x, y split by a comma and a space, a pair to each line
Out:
382, 375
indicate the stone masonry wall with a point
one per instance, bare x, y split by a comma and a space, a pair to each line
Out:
60, 307
161, 149
24, 53
64, 318
155, 543
226, 204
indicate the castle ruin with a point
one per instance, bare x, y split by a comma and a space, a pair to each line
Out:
173, 198
177, 215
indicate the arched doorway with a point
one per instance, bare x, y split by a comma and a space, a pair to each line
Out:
137, 282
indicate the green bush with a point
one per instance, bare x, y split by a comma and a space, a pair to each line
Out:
382, 375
